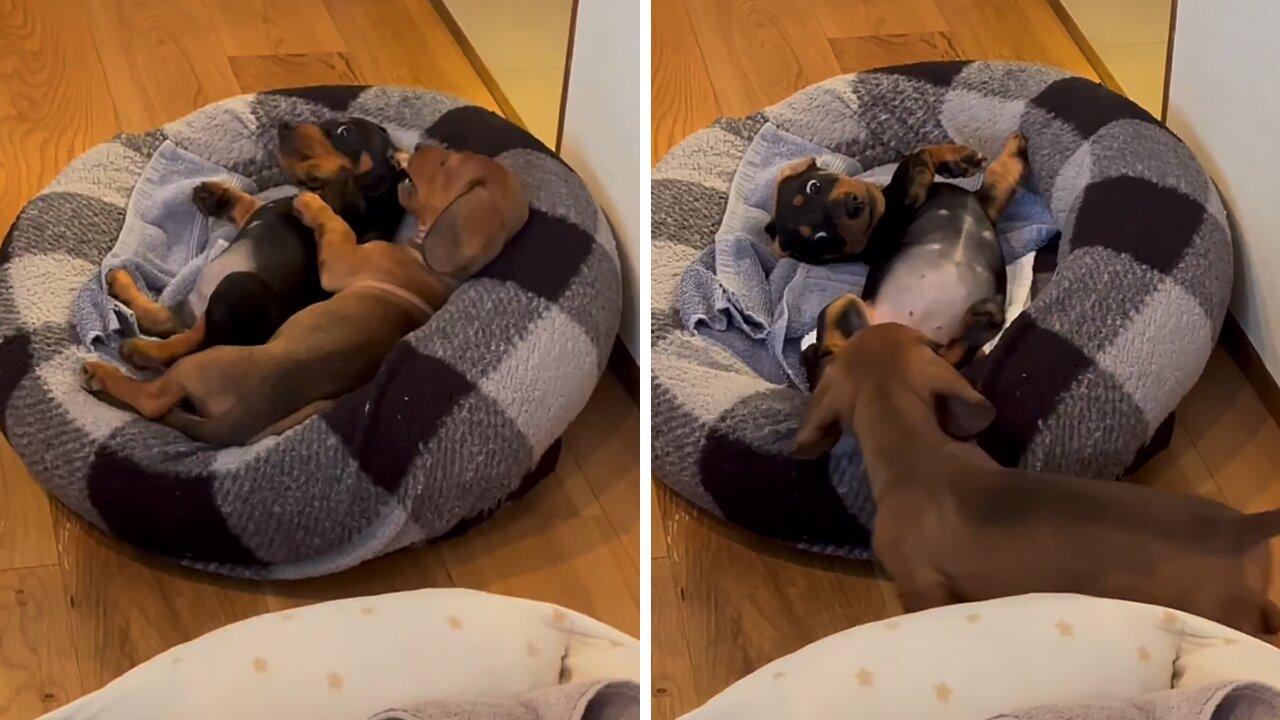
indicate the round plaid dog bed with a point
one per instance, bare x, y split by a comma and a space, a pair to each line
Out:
465, 413
1118, 330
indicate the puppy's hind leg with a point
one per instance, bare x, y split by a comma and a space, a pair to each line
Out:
953, 161
1003, 177
152, 399
156, 354
153, 318
982, 323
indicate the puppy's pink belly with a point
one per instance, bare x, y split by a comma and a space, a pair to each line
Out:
933, 303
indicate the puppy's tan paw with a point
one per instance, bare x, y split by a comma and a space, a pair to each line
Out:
91, 375
309, 208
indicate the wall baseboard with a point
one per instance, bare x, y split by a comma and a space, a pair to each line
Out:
1238, 346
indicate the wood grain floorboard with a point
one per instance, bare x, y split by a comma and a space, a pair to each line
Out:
658, 530
274, 27
127, 607
38, 669
855, 54
757, 52
604, 441
1238, 441
255, 73
26, 527
867, 18
54, 99
408, 569
404, 42
745, 601
161, 59
1180, 469
1013, 30
54, 104
671, 683
556, 544
684, 100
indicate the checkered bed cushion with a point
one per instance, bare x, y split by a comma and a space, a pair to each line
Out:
1081, 380
464, 413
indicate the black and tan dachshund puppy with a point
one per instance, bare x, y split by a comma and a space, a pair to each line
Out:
269, 272
934, 261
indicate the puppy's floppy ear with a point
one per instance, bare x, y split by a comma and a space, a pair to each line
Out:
840, 320
819, 429
795, 168
962, 411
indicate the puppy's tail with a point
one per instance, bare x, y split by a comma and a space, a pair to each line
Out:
1257, 528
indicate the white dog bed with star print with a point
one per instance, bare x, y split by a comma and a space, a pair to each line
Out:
977, 660
350, 659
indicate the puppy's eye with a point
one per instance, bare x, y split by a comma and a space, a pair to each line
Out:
343, 130
820, 235
406, 185
813, 187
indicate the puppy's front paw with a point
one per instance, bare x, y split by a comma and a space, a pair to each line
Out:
92, 373
212, 198
309, 208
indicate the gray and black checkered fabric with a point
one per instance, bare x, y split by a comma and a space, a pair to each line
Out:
1081, 380
465, 413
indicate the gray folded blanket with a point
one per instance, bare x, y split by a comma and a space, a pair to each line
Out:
164, 243
759, 307
599, 700
1232, 700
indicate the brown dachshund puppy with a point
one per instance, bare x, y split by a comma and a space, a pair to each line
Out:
468, 207
953, 526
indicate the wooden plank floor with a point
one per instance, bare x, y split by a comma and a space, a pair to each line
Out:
77, 608
726, 602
